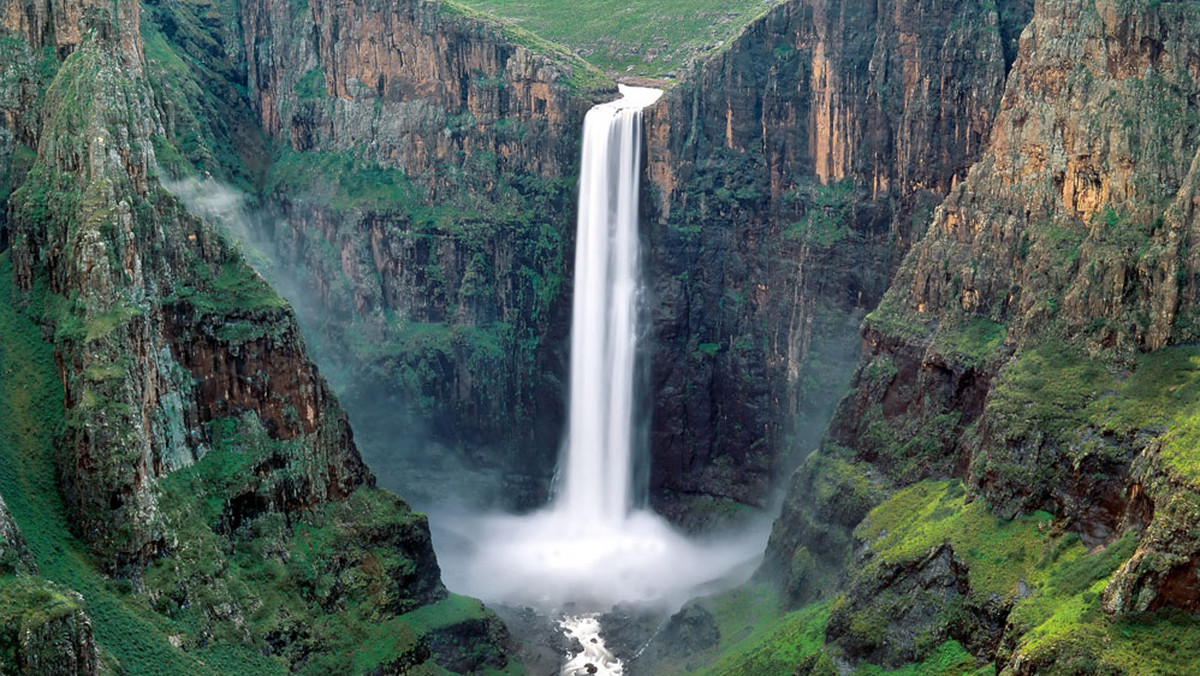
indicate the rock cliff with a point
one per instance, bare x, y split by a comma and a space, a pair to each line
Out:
787, 176
1031, 344
425, 188
199, 453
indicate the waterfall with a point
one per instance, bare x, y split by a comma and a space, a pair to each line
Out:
599, 454
590, 548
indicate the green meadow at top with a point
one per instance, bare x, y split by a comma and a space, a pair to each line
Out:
649, 38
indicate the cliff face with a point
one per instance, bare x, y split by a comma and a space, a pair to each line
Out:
426, 190
147, 332
1028, 347
426, 187
786, 178
200, 454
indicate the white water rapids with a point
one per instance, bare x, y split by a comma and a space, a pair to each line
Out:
590, 547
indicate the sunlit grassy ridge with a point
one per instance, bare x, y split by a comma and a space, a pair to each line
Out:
634, 37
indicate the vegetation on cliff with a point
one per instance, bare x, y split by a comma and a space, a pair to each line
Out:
186, 486
1035, 344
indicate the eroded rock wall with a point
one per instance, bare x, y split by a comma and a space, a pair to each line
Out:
432, 209
199, 453
1016, 344
787, 177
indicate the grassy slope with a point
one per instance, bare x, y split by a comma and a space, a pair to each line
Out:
636, 38
1060, 621
132, 629
30, 412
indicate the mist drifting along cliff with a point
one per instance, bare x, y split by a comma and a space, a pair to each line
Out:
425, 189
1009, 189
425, 192
161, 422
788, 175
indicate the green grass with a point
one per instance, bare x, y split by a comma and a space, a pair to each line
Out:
1063, 626
644, 38
235, 289
971, 341
756, 635
342, 182
828, 214
342, 577
775, 647
30, 412
583, 76
1161, 396
893, 317
930, 513
1057, 389
1047, 389
948, 659
1059, 624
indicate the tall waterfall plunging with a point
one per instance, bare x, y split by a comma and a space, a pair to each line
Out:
590, 547
598, 459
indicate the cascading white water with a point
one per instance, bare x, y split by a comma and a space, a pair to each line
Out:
598, 459
590, 547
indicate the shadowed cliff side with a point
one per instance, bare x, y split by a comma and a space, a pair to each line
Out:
425, 187
787, 177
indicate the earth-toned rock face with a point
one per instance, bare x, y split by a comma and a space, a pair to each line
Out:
162, 328
1034, 344
787, 176
426, 195
194, 448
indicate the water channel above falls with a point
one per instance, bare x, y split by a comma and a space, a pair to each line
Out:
591, 547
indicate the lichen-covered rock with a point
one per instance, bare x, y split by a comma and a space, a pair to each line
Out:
44, 629
59, 642
887, 612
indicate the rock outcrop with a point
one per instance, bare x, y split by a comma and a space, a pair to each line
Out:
1027, 343
787, 176
14, 553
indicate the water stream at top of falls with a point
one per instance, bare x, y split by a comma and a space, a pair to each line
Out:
591, 548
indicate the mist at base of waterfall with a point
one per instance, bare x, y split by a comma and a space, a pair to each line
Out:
551, 560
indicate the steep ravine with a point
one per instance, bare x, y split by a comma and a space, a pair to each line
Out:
169, 449
787, 176
425, 188
1036, 349
1010, 481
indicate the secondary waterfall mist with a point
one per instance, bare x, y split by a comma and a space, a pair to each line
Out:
590, 546
598, 459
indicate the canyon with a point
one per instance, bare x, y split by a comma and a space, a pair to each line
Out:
922, 278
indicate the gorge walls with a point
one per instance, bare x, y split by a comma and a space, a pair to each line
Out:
163, 424
425, 187
1033, 345
426, 190
788, 175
